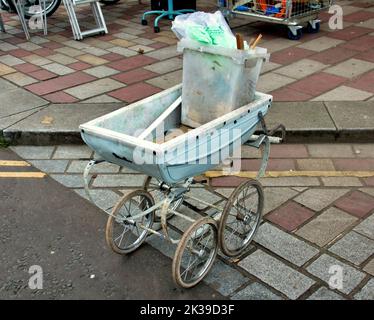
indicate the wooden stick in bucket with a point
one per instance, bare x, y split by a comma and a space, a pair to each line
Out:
254, 44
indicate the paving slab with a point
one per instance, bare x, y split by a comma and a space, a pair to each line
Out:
318, 150
78, 166
34, 152
224, 278
104, 199
325, 294
11, 120
62, 127
274, 197
18, 100
119, 180
369, 268
352, 120
367, 292
73, 152
276, 274
319, 198
50, 166
309, 120
326, 226
366, 227
324, 268
70, 181
354, 248
285, 245
255, 291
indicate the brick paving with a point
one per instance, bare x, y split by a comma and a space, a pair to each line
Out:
310, 224
331, 65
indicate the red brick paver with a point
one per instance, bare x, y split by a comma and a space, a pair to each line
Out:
134, 92
290, 216
356, 203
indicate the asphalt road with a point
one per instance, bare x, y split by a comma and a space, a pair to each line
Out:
43, 223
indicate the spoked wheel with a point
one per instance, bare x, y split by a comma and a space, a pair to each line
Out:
195, 253
154, 186
241, 218
124, 234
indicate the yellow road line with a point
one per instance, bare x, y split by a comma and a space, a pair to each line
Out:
10, 163
276, 174
35, 175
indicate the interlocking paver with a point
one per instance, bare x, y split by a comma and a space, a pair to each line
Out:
165, 66
315, 164
105, 199
325, 294
290, 215
255, 291
301, 68
321, 44
331, 150
356, 203
272, 81
275, 197
344, 93
350, 68
319, 198
324, 267
369, 267
290, 182
285, 245
366, 227
276, 274
367, 292
167, 80
354, 248
326, 226
78, 166
33, 152
58, 68
119, 180
94, 88
101, 71
341, 182
70, 181
72, 152
224, 278
19, 79
135, 75
134, 92
50, 166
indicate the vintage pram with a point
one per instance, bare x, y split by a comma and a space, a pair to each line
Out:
171, 167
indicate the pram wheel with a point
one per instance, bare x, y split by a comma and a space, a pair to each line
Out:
124, 234
195, 253
241, 217
156, 188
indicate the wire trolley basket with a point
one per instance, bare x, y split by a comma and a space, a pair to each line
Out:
292, 13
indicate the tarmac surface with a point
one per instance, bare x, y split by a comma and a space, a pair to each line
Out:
45, 224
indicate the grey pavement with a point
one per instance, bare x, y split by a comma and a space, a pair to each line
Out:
28, 119
309, 226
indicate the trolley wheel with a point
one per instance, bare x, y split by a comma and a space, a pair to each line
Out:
291, 36
156, 29
310, 28
144, 22
124, 237
241, 217
195, 253
152, 185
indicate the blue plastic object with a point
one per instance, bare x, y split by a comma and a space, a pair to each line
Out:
242, 8
272, 10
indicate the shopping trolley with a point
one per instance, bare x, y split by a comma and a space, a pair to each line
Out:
292, 13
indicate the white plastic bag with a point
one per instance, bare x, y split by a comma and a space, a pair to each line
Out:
205, 28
